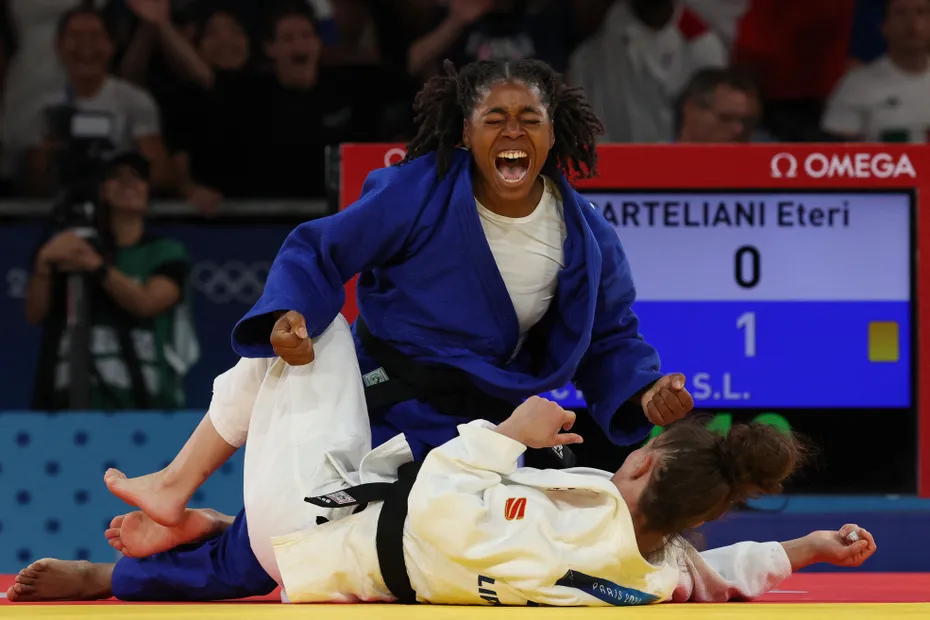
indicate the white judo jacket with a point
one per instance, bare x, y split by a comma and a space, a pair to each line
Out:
482, 531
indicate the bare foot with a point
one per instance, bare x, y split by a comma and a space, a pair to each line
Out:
152, 494
62, 580
136, 535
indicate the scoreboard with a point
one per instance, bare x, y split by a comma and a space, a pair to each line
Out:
763, 299
785, 282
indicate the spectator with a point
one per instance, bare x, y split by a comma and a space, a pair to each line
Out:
888, 100
719, 105
142, 340
268, 130
636, 67
222, 41
799, 50
34, 72
469, 30
86, 49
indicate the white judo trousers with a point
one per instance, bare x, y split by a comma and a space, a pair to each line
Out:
296, 419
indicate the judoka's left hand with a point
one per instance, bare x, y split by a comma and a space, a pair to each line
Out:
537, 422
831, 547
667, 400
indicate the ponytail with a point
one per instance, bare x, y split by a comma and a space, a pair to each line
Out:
701, 474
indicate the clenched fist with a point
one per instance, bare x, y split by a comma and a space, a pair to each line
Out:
667, 400
290, 340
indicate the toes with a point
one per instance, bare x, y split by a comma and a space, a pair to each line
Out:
25, 578
113, 476
118, 544
117, 522
112, 533
23, 589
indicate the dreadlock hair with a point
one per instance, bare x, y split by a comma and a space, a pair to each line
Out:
445, 101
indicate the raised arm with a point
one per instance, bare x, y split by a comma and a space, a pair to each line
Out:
156, 18
320, 256
427, 51
135, 63
456, 481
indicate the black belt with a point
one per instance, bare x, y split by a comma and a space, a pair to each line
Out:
448, 390
389, 540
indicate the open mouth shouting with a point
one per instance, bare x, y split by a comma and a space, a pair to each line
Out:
512, 166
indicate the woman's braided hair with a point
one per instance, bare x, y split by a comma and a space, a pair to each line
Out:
445, 101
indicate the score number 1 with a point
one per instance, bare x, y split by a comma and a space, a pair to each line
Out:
747, 323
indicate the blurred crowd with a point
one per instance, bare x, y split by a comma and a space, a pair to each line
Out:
239, 98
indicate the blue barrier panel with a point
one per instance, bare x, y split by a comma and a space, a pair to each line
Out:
53, 502
899, 535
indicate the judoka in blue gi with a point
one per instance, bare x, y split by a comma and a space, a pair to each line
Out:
485, 279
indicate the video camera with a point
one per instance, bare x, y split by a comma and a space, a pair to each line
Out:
80, 162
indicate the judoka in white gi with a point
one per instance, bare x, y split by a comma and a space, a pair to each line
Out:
480, 530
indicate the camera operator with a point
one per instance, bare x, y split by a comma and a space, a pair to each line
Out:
141, 340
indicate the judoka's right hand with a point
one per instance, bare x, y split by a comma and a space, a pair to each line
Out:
290, 340
537, 422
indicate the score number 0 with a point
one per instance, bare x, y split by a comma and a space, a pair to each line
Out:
748, 272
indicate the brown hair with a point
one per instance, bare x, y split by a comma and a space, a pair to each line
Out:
701, 474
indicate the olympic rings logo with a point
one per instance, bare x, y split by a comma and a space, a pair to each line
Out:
231, 282
393, 156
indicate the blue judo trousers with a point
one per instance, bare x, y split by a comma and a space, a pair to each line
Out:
429, 286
